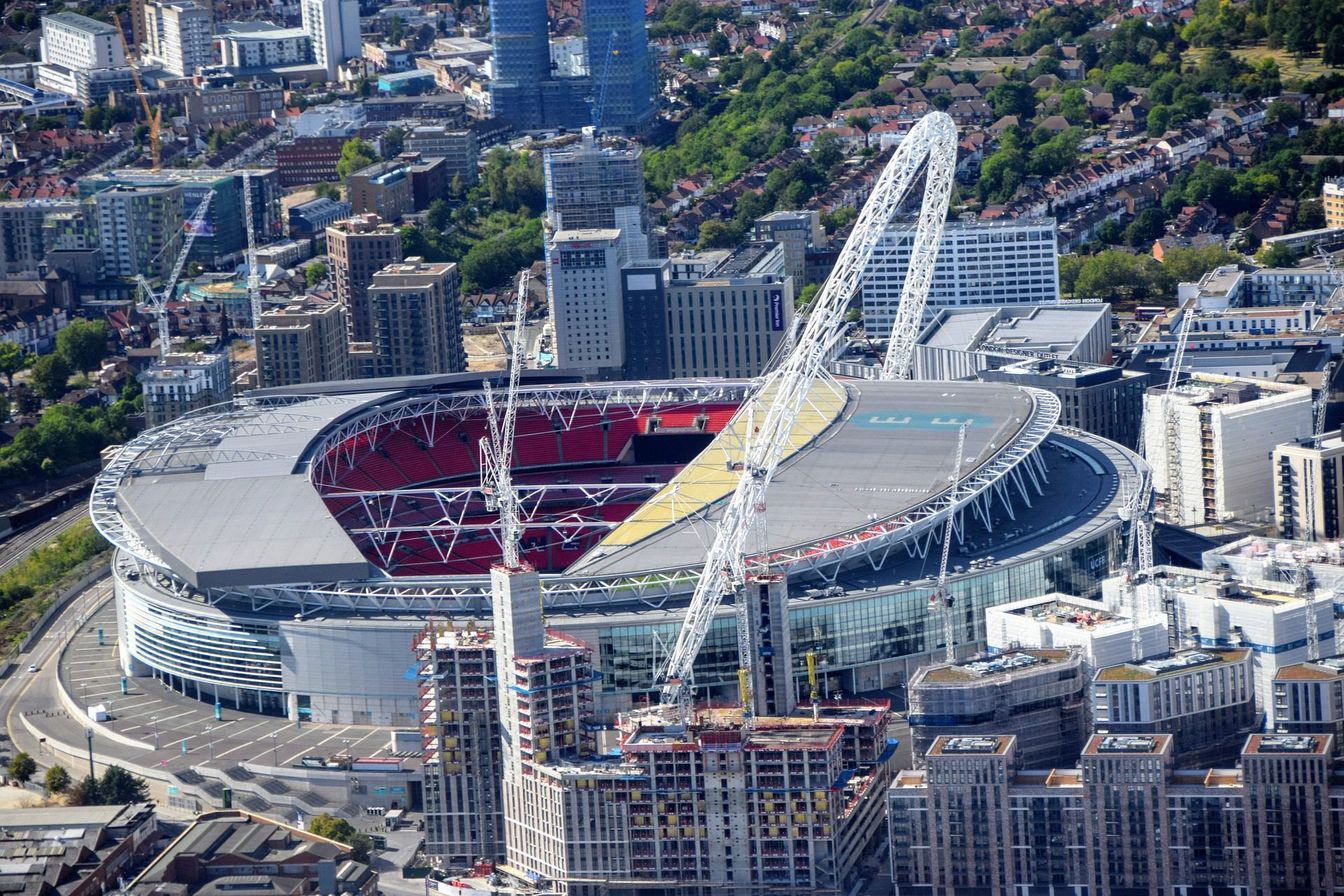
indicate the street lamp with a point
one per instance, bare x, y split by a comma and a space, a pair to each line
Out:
88, 735
211, 741
155, 720
275, 756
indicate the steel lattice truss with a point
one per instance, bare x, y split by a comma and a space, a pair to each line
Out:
772, 414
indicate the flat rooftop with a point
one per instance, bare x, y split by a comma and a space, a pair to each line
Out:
979, 669
1107, 744
1292, 744
1058, 612
1034, 327
1326, 669
1172, 664
971, 746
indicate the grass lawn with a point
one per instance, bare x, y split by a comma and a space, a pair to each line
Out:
1289, 67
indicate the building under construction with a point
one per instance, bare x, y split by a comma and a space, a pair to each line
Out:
787, 801
1036, 695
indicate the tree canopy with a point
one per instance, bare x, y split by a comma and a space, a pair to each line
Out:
83, 343
355, 154
340, 830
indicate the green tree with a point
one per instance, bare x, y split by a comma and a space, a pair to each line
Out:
1056, 155
716, 234
1147, 226
1113, 275
355, 154
315, 273
717, 44
340, 830
1188, 265
438, 215
1013, 98
826, 151
394, 141
120, 786
83, 344
85, 793
13, 358
22, 768
804, 298
1275, 256
328, 191
56, 780
50, 375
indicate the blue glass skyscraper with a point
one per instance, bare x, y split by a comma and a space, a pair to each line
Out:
618, 54
527, 93
519, 39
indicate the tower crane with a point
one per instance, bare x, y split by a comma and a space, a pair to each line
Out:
1175, 498
770, 414
153, 117
941, 599
599, 102
814, 683
1302, 590
253, 275
497, 448
158, 301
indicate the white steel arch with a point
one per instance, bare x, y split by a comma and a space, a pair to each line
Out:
933, 139
770, 420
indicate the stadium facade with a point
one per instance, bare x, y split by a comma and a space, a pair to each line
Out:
280, 553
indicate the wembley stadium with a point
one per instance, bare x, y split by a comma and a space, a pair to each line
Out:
278, 553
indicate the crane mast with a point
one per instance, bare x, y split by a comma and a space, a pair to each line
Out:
155, 117
158, 301
787, 387
253, 275
1175, 498
497, 449
942, 595
1302, 590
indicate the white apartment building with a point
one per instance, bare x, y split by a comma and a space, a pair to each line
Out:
180, 37
1226, 430
247, 45
584, 290
1095, 629
333, 26
81, 58
79, 42
979, 264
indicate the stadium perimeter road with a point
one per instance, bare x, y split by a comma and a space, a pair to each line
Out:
153, 730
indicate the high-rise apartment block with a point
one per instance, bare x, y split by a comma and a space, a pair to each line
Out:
82, 58
137, 228
304, 342
459, 698
583, 286
24, 232
1126, 821
1205, 699
597, 185
333, 26
1037, 695
179, 36
787, 803
728, 322
619, 64
979, 264
458, 148
416, 309
796, 231
184, 381
1307, 476
223, 239
1226, 430
358, 249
